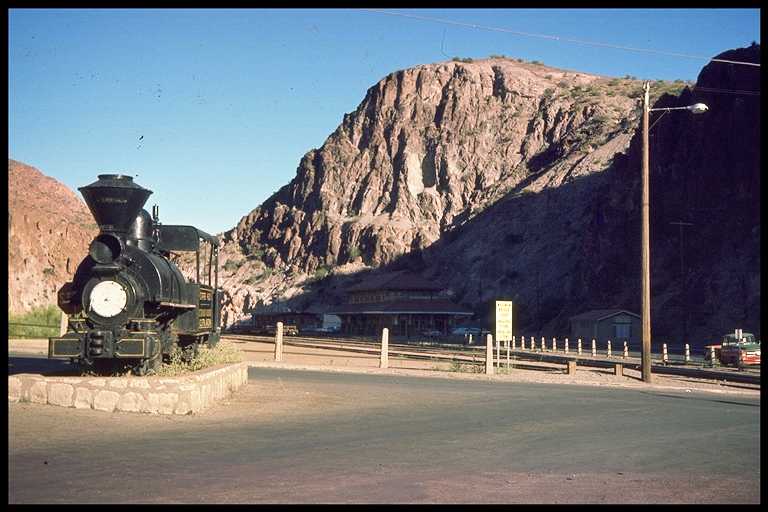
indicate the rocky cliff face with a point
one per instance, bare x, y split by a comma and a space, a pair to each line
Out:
49, 229
506, 179
427, 149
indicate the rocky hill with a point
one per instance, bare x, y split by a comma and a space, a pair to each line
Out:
427, 150
505, 178
49, 229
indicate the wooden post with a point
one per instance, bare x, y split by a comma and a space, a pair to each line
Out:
664, 357
712, 356
594, 347
470, 339
279, 342
533, 344
514, 343
543, 344
626, 350
522, 342
609, 353
63, 324
571, 367
489, 354
513, 340
618, 369
578, 346
384, 358
566, 345
498, 354
687, 354
554, 344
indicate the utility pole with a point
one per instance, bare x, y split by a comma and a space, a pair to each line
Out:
646, 249
696, 108
684, 285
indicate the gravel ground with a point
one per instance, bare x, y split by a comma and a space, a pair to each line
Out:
262, 354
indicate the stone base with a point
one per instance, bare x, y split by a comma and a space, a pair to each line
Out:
154, 395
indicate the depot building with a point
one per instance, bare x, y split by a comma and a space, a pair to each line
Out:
401, 301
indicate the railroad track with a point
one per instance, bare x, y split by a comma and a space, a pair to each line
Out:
476, 354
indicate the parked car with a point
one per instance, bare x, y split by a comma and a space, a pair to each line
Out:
739, 351
322, 330
466, 331
288, 330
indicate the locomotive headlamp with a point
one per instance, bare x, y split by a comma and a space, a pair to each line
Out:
108, 298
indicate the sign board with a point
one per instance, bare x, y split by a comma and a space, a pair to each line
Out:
503, 318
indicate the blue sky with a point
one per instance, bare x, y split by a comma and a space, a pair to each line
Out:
226, 102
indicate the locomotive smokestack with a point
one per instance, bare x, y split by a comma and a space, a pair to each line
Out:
115, 201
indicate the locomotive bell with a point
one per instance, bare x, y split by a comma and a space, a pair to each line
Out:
115, 201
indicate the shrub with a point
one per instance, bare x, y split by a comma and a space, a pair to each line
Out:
457, 366
253, 279
321, 272
47, 316
48, 271
537, 62
255, 255
459, 59
232, 265
548, 92
563, 84
223, 353
354, 252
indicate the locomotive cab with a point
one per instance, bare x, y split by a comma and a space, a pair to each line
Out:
201, 323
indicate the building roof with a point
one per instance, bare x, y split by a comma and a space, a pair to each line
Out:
272, 308
444, 307
600, 314
398, 280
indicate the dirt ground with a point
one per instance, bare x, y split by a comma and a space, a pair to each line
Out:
262, 354
44, 430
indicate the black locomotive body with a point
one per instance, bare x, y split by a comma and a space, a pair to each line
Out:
129, 305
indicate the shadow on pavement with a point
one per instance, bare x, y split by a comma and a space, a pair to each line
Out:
40, 365
699, 397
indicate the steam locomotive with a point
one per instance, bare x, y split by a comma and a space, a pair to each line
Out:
128, 304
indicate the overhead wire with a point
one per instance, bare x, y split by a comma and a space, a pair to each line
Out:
559, 38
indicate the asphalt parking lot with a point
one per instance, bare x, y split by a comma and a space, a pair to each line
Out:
295, 436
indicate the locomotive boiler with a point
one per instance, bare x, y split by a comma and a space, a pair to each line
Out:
129, 305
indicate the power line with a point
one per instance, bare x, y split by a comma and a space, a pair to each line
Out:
559, 38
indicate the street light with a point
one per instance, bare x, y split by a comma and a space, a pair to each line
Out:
696, 108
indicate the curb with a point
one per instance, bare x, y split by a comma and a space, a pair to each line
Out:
154, 395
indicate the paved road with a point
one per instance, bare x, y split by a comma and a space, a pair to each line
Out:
298, 436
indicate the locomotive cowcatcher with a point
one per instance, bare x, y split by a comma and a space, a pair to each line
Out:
128, 304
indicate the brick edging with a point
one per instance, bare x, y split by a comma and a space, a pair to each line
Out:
155, 395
